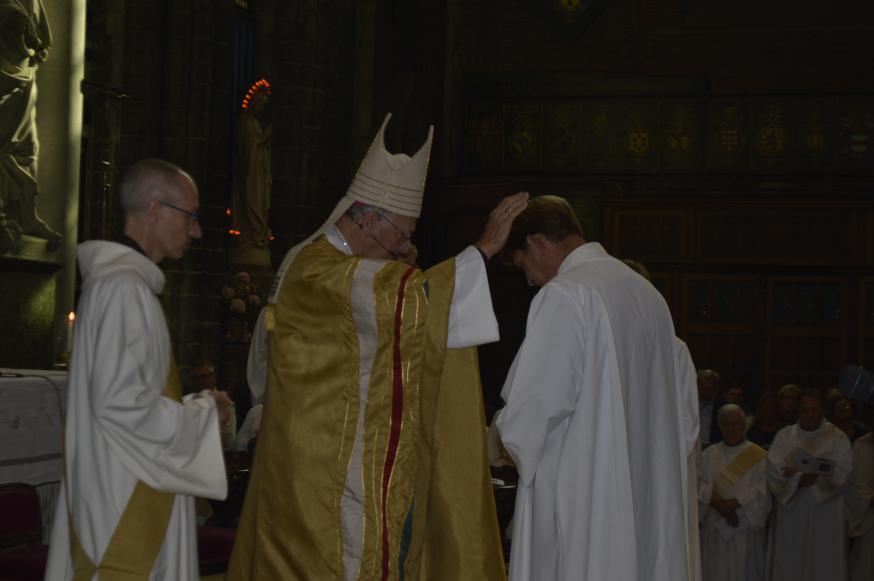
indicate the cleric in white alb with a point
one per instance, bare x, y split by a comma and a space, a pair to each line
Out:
735, 501
592, 418
134, 455
809, 464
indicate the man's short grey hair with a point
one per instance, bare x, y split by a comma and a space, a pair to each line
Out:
357, 211
709, 374
730, 408
146, 180
790, 389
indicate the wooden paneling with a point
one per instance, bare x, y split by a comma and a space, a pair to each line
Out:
768, 237
648, 235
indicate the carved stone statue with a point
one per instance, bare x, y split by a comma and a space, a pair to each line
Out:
253, 181
25, 39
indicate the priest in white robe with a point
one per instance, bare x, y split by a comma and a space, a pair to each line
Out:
135, 456
809, 464
592, 418
735, 501
860, 510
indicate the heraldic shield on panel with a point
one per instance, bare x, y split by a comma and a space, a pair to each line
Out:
571, 17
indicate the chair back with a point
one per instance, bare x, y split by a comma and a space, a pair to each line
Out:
22, 522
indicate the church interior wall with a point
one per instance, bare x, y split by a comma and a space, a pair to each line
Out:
493, 77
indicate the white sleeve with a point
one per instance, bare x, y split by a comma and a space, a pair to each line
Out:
249, 429
827, 486
256, 363
688, 392
784, 489
541, 388
471, 316
170, 446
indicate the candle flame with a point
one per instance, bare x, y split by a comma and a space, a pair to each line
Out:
71, 317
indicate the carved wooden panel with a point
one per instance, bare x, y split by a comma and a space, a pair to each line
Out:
648, 235
721, 320
866, 310
646, 127
807, 330
801, 237
869, 242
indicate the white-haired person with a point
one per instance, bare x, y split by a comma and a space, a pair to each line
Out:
371, 457
735, 501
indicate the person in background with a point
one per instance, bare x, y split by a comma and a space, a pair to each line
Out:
766, 423
248, 434
202, 376
860, 505
809, 465
844, 418
735, 501
709, 383
788, 400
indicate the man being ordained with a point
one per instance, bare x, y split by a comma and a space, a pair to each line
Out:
592, 418
134, 455
373, 418
809, 536
735, 500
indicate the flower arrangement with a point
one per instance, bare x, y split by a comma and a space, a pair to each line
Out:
241, 303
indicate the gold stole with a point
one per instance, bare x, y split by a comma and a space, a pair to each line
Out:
741, 464
140, 532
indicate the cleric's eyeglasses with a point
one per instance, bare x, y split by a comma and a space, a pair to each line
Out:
193, 217
404, 236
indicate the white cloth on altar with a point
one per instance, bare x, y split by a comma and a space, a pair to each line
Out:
119, 428
250, 428
808, 540
860, 511
743, 557
593, 422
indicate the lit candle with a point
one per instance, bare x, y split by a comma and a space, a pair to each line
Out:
71, 319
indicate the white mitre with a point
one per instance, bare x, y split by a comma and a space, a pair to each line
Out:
392, 181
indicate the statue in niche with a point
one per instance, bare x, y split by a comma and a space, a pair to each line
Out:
25, 40
253, 181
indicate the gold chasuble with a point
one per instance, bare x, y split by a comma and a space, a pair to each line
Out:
423, 454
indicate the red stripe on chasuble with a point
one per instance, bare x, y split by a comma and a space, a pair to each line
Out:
397, 413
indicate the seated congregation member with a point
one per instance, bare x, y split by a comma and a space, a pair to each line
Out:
766, 423
844, 418
860, 508
788, 399
809, 465
735, 501
373, 423
709, 402
202, 376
